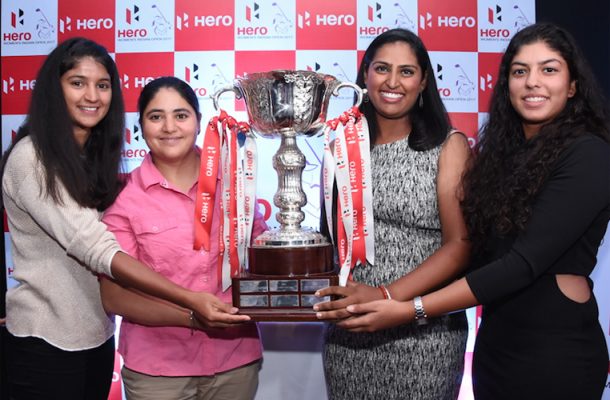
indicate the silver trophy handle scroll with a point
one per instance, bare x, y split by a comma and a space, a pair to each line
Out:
219, 92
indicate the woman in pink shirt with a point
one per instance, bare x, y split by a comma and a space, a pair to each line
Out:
60, 172
153, 220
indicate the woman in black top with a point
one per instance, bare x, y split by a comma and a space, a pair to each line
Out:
537, 204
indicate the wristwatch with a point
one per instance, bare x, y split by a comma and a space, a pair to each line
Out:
420, 313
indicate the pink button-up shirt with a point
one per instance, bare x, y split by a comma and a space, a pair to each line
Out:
153, 222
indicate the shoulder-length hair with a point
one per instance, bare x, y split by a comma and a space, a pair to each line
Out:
430, 123
509, 170
90, 175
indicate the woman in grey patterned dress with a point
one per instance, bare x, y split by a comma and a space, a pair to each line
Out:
420, 235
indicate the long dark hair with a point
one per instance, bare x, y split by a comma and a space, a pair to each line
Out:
509, 170
152, 87
90, 175
431, 122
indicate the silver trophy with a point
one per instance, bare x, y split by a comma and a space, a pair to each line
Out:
285, 104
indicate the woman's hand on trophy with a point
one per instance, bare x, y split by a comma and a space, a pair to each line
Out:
377, 315
211, 312
353, 293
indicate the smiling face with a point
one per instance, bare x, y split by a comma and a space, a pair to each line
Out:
539, 85
394, 80
170, 127
87, 92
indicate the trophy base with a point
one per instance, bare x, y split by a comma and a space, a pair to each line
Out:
293, 260
280, 297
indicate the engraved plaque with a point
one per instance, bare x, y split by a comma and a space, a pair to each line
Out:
308, 300
311, 285
254, 301
284, 300
291, 285
253, 286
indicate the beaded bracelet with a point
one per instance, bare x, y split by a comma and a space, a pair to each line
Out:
192, 321
385, 292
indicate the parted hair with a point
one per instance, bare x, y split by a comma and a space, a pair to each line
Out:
509, 171
90, 175
170, 82
430, 123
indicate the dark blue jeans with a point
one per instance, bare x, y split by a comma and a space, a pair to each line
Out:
37, 370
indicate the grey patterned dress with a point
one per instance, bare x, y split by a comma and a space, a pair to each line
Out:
407, 362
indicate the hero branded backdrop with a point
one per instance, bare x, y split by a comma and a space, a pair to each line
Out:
208, 43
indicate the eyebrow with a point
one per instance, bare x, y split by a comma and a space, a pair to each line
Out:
84, 77
540, 63
400, 66
175, 110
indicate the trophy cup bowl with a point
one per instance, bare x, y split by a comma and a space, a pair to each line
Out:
287, 264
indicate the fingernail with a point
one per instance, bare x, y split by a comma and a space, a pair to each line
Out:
317, 294
349, 308
315, 307
319, 315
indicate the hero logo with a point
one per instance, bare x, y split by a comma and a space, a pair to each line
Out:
203, 21
492, 16
485, 82
446, 21
160, 24
44, 29
316, 67
17, 18
85, 24
443, 91
138, 82
252, 12
182, 21
8, 85
131, 17
192, 74
373, 13
304, 20
129, 136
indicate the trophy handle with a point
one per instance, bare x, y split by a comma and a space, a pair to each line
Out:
359, 91
228, 88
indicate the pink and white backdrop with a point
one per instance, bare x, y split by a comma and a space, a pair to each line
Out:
208, 43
